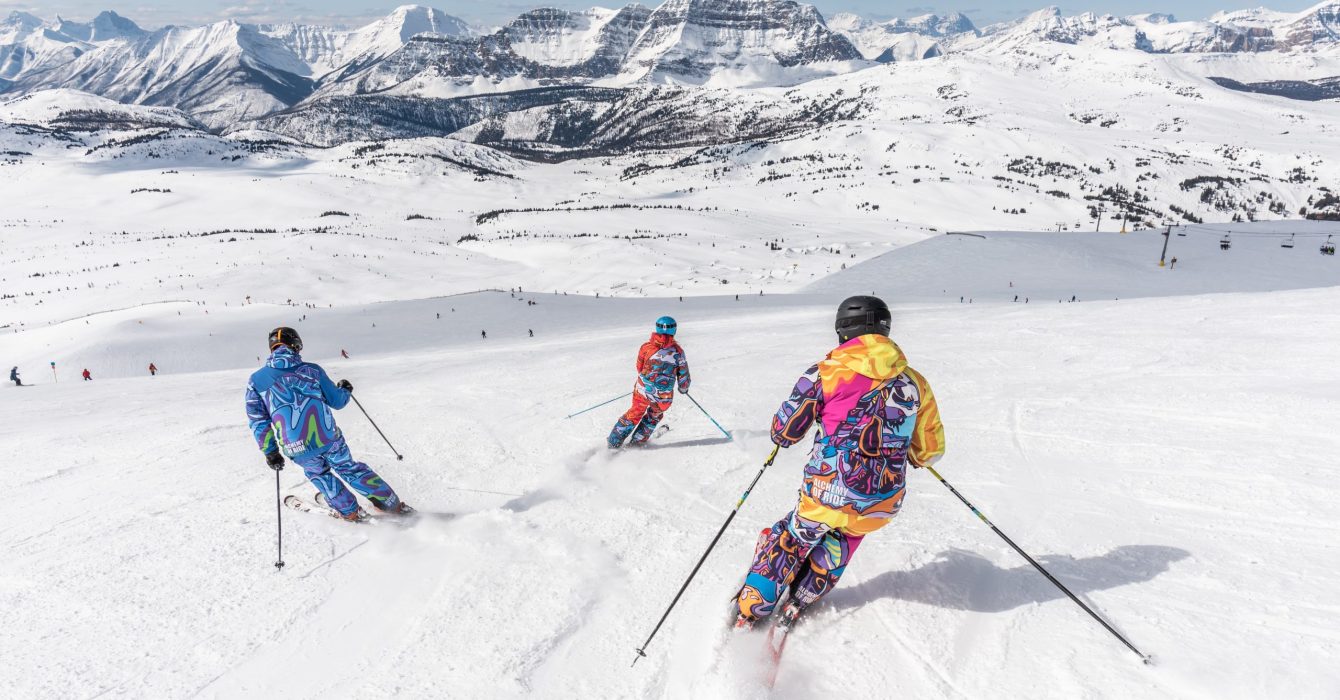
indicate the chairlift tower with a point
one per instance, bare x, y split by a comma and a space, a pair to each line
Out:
1167, 236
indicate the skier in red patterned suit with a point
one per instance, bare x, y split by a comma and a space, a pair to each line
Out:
660, 366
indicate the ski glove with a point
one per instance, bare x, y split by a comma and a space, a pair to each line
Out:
275, 460
344, 384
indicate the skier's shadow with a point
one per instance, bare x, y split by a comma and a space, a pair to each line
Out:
962, 580
703, 442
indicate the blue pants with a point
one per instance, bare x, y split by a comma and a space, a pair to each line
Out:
358, 475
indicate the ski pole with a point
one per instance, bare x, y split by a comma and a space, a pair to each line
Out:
374, 424
1143, 657
279, 523
641, 651
709, 416
584, 410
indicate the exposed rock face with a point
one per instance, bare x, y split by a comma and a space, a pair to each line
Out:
690, 39
681, 41
597, 39
1319, 25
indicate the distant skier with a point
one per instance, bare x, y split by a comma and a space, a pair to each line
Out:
875, 415
484, 335
660, 366
88, 377
344, 354
1174, 263
288, 407
153, 371
531, 331
14, 377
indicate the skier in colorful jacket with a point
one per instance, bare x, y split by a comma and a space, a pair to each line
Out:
874, 415
660, 365
289, 406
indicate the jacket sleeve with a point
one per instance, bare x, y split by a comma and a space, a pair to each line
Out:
928, 438
682, 372
334, 396
258, 416
643, 354
797, 414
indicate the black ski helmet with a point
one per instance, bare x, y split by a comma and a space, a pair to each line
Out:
284, 335
862, 315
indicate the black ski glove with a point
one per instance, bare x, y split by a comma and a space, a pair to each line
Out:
275, 460
344, 384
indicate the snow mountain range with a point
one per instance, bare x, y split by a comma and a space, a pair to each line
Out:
230, 72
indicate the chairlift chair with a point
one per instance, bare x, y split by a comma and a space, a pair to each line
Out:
1328, 248
1288, 243
1225, 243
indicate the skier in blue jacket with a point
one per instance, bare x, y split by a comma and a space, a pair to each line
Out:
288, 406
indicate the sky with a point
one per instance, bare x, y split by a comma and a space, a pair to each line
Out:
155, 13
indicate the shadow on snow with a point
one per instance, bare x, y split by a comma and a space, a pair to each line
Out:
962, 580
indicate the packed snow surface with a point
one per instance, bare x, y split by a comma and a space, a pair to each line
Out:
1170, 458
1164, 443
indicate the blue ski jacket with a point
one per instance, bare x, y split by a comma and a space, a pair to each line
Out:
288, 406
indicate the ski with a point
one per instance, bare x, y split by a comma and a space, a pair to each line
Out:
304, 506
375, 513
778, 633
317, 506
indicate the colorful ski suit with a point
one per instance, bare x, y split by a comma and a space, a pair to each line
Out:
660, 365
289, 406
874, 416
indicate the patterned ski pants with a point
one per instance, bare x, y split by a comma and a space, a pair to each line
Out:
359, 476
640, 421
807, 550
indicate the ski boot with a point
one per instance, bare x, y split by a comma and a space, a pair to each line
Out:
358, 516
400, 507
790, 613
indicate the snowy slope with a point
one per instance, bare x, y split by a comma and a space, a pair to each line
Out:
71, 109
994, 267
1106, 437
106, 26
901, 39
321, 48
386, 35
1165, 445
221, 73
26, 43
